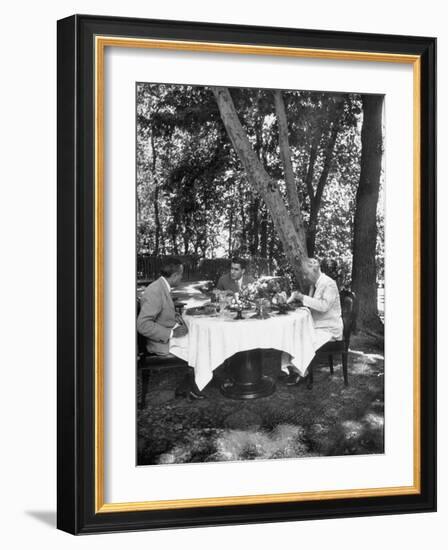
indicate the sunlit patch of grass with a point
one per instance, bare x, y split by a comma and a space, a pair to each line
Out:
363, 436
370, 357
363, 366
352, 430
283, 441
195, 446
375, 421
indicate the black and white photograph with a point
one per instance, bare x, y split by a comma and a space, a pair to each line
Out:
260, 273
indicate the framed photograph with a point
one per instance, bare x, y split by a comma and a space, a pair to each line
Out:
246, 274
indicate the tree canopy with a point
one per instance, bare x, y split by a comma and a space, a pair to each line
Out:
195, 194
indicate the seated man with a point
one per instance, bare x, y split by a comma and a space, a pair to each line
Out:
325, 306
236, 278
157, 318
158, 321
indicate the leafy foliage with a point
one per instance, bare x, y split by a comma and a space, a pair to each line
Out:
194, 197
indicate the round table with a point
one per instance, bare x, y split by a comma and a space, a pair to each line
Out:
212, 340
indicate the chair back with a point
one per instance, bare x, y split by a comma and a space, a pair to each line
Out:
349, 307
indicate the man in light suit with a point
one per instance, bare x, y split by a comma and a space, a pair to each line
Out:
158, 321
325, 306
233, 281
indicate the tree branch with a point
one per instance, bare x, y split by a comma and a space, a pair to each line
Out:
294, 241
316, 198
310, 171
327, 164
285, 154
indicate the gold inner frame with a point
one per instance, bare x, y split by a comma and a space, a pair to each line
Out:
101, 42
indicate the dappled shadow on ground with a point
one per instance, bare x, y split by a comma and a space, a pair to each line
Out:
329, 420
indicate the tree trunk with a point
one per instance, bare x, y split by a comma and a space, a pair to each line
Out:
285, 154
254, 226
186, 243
174, 241
205, 243
243, 243
139, 208
316, 198
264, 233
310, 170
230, 230
156, 220
271, 247
293, 242
365, 228
156, 198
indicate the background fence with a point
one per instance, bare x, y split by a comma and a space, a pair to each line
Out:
196, 269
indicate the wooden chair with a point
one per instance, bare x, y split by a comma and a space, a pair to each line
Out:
147, 362
349, 314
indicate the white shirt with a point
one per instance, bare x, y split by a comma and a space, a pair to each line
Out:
325, 306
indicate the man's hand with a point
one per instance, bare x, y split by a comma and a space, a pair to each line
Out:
296, 296
180, 331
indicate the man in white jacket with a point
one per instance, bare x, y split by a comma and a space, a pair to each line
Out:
325, 306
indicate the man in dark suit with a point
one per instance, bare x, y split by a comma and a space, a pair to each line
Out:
236, 278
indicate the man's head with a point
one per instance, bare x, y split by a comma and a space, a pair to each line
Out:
312, 270
237, 268
172, 270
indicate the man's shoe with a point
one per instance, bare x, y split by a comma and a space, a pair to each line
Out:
189, 394
297, 380
193, 396
294, 380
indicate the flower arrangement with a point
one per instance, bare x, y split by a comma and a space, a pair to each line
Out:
262, 294
257, 290
268, 289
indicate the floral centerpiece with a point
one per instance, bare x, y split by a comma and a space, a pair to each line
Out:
263, 295
266, 294
260, 294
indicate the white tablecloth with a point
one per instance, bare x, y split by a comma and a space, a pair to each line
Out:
212, 340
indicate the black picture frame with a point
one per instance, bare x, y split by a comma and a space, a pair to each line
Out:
76, 476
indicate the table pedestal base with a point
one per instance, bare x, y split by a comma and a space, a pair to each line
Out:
247, 380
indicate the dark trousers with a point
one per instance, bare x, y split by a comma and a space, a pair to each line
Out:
188, 383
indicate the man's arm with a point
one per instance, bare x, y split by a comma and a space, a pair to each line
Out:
146, 321
325, 301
